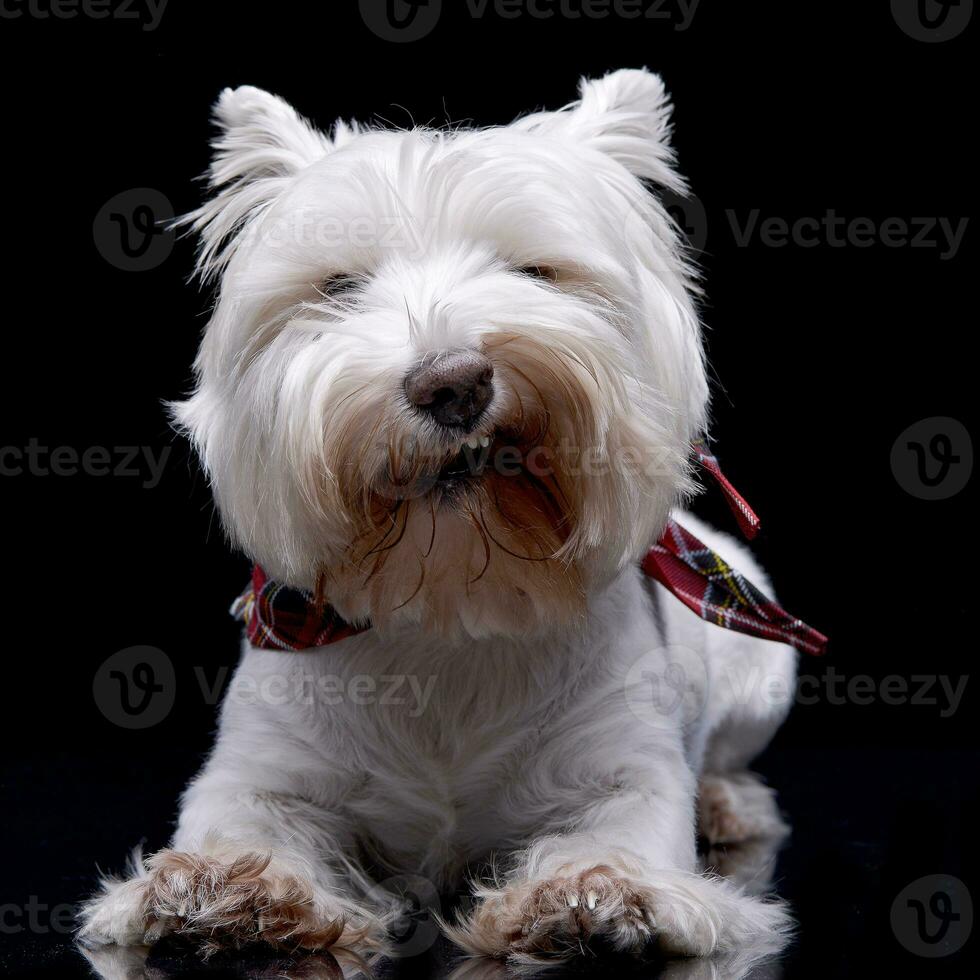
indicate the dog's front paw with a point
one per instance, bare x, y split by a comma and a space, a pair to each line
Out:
553, 916
678, 912
217, 904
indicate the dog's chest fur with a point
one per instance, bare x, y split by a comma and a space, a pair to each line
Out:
442, 751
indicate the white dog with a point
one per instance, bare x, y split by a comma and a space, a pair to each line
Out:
450, 387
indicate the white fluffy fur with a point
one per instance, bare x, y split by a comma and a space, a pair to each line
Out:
538, 744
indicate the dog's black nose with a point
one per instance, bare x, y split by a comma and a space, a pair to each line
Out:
454, 386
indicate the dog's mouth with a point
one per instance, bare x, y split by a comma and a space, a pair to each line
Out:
488, 497
504, 460
469, 463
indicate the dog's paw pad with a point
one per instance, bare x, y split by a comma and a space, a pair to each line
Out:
554, 917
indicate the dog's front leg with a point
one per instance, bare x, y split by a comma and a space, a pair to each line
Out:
623, 870
263, 851
245, 865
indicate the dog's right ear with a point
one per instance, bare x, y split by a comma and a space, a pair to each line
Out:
625, 115
261, 145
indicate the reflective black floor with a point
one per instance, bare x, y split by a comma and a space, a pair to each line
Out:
877, 870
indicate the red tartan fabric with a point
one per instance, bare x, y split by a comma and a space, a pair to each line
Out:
280, 618
706, 583
748, 522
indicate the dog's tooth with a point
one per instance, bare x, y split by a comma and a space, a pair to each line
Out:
484, 441
473, 442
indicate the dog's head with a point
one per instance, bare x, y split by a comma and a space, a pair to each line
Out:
451, 377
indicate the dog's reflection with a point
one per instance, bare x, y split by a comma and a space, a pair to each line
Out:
715, 968
134, 963
749, 865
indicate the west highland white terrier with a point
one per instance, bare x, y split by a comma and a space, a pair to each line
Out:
446, 402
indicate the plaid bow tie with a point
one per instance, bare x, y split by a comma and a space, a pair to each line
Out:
277, 617
281, 618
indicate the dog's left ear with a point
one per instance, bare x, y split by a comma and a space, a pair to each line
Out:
626, 115
262, 143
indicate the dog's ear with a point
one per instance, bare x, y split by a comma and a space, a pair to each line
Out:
261, 145
626, 115
261, 135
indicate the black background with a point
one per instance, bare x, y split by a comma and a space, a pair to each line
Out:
823, 356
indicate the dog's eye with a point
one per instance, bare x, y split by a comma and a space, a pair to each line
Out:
338, 285
546, 273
